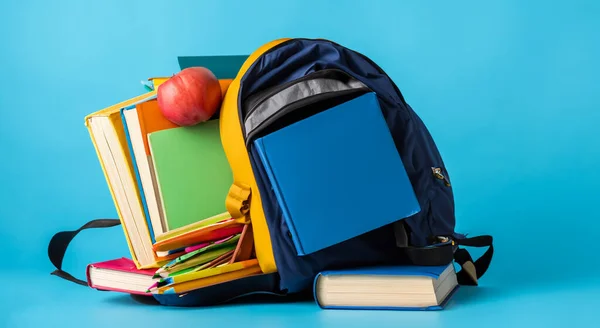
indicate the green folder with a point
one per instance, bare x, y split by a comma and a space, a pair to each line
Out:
192, 172
198, 260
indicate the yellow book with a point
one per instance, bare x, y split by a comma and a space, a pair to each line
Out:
209, 281
205, 273
108, 136
192, 227
157, 81
196, 261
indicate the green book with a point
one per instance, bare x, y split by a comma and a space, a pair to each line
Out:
191, 264
192, 172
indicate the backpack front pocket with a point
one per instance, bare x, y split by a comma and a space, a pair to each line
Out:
336, 174
275, 108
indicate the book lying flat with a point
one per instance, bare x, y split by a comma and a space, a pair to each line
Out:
187, 286
180, 232
119, 275
386, 288
230, 242
192, 263
204, 234
208, 272
337, 174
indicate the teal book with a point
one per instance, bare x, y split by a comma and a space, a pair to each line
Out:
224, 67
386, 288
337, 174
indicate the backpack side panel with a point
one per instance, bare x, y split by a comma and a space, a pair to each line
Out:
243, 176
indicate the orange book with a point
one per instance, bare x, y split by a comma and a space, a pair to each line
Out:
221, 277
224, 85
151, 120
162, 259
146, 118
209, 272
204, 234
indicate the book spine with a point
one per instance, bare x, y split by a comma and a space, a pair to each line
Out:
285, 211
137, 177
315, 293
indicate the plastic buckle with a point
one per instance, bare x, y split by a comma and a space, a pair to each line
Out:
238, 202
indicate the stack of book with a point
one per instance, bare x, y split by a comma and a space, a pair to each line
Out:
169, 184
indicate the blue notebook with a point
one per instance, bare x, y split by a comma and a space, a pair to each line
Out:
337, 174
135, 167
386, 288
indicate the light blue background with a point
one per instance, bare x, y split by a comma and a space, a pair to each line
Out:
509, 90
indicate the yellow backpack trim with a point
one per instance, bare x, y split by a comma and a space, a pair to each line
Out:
243, 204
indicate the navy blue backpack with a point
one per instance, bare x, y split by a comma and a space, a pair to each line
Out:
425, 238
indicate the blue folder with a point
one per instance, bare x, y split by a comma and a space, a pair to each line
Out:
337, 174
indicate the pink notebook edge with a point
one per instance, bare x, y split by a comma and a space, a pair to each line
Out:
122, 264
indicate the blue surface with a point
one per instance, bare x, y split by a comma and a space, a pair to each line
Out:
326, 175
568, 304
507, 88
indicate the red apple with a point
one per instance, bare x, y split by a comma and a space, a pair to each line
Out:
190, 96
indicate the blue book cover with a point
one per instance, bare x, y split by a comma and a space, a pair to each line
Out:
393, 270
442, 272
137, 174
337, 174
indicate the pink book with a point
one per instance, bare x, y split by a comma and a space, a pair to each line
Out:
120, 275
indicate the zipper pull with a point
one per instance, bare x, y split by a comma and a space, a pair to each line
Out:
437, 172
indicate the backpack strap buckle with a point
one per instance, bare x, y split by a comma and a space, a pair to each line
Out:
473, 270
238, 202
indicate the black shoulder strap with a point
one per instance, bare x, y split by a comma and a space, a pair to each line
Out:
60, 242
440, 253
473, 270
447, 251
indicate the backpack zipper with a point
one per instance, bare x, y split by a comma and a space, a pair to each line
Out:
302, 103
437, 172
330, 73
